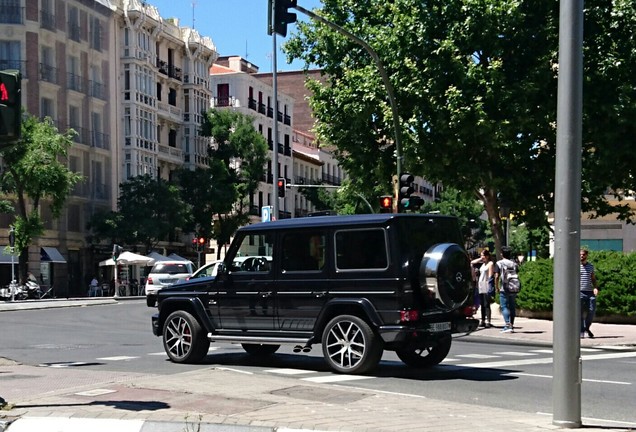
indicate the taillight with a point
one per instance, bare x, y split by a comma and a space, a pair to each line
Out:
149, 280
409, 315
469, 310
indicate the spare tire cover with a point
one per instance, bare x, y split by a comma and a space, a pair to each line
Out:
445, 271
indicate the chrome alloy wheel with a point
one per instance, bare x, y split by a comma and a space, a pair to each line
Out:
350, 346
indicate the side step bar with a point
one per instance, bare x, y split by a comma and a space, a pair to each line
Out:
265, 340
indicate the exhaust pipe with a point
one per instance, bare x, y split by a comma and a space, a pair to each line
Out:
299, 348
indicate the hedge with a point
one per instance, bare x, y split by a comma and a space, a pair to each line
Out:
615, 272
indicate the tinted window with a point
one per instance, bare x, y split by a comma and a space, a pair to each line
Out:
361, 249
303, 251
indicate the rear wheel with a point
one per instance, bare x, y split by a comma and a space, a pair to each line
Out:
425, 357
260, 349
349, 345
184, 339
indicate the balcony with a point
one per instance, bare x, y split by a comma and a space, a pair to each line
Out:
175, 73
169, 112
251, 104
270, 112
228, 101
100, 140
10, 14
101, 191
261, 108
47, 20
287, 120
97, 90
74, 82
331, 180
74, 32
48, 73
170, 154
14, 64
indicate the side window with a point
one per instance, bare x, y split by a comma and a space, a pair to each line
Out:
254, 254
361, 249
303, 251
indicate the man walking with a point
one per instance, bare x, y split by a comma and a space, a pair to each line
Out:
507, 299
589, 291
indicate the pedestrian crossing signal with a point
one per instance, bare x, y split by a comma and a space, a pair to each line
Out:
386, 204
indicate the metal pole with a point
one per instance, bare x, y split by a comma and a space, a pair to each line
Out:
275, 118
566, 391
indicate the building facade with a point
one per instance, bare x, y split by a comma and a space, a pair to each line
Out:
130, 83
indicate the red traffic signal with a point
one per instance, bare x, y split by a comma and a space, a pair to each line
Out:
201, 241
10, 105
386, 204
282, 185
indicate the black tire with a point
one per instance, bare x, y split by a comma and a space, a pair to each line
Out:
350, 346
259, 349
183, 338
425, 357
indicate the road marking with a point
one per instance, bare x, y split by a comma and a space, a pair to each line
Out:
476, 356
584, 379
336, 378
117, 358
548, 360
515, 353
96, 392
543, 351
450, 360
234, 370
287, 371
162, 353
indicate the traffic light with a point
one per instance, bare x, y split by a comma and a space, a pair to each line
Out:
282, 185
201, 244
386, 204
117, 250
282, 16
195, 243
415, 202
10, 105
405, 189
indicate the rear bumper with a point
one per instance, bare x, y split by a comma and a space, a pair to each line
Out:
399, 333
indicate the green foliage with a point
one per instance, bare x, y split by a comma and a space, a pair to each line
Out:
476, 88
36, 174
615, 272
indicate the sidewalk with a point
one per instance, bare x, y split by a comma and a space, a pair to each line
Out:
226, 399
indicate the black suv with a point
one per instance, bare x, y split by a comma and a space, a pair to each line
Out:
357, 285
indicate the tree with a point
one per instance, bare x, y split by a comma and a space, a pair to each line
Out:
35, 174
149, 210
237, 165
476, 87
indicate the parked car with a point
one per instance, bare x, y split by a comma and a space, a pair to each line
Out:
166, 273
356, 285
207, 270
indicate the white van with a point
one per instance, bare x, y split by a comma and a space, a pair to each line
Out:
166, 273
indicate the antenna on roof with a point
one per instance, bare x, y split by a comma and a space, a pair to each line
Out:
246, 54
194, 3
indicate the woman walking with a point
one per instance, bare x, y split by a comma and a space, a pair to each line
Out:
484, 284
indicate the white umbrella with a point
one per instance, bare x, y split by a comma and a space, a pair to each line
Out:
128, 258
156, 257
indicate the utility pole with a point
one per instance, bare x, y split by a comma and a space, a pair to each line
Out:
566, 388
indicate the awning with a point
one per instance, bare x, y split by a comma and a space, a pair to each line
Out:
51, 254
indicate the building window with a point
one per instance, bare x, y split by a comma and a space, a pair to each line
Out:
73, 29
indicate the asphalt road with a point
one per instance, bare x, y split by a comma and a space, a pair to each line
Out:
118, 337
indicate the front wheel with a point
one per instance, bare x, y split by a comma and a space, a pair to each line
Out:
184, 339
349, 345
425, 357
259, 349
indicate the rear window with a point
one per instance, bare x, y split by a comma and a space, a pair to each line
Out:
170, 268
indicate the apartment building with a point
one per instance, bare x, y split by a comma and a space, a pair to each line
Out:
235, 86
130, 83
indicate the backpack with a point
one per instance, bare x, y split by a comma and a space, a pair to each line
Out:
510, 278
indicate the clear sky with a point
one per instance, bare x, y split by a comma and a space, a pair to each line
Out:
237, 27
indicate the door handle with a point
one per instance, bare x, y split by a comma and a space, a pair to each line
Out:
265, 294
320, 294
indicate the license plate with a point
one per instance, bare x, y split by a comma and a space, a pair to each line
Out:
439, 326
